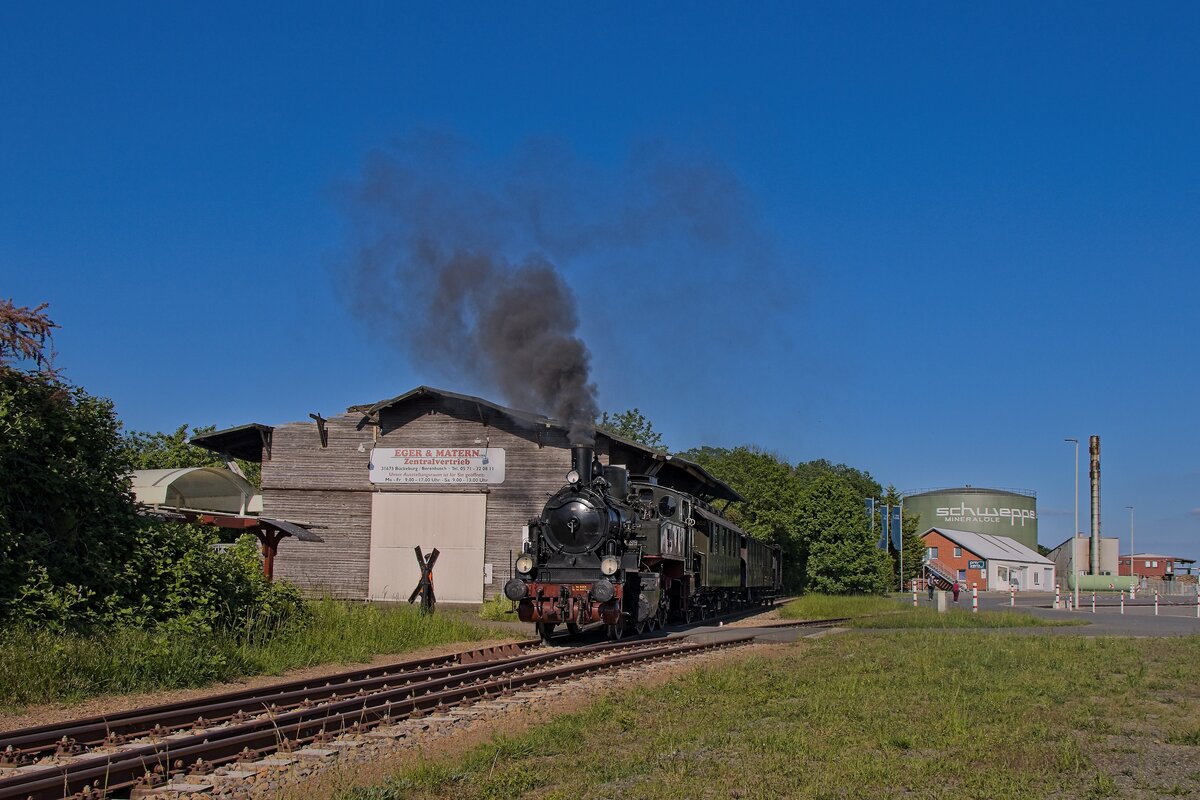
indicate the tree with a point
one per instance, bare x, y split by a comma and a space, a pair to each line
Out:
631, 424
66, 517
26, 335
172, 451
74, 550
772, 495
842, 555
862, 481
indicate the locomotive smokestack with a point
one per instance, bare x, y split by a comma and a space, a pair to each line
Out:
1094, 554
581, 461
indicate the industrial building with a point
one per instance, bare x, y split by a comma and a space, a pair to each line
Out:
1154, 565
985, 562
1010, 513
428, 468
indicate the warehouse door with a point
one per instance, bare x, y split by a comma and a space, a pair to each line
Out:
453, 523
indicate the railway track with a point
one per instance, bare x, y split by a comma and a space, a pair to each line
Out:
136, 753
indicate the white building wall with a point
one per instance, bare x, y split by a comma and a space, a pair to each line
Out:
1005, 575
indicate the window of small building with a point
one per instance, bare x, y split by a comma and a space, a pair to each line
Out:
1036, 579
933, 552
958, 552
962, 574
1154, 564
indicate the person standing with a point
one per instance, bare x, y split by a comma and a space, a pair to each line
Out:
954, 590
930, 583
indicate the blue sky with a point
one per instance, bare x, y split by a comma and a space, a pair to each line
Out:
980, 220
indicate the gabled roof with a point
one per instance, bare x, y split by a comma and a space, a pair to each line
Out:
988, 547
675, 471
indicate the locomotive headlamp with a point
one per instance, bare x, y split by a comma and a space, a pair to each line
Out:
609, 565
525, 564
515, 589
603, 590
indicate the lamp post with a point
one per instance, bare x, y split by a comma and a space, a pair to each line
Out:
1132, 574
1075, 530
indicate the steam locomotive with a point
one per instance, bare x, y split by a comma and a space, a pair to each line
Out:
631, 554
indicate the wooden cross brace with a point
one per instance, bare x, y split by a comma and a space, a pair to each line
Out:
424, 589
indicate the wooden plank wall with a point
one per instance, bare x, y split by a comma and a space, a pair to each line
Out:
330, 486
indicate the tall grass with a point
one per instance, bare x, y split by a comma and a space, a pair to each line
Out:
39, 667
498, 609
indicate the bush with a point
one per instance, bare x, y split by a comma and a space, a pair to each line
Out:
75, 554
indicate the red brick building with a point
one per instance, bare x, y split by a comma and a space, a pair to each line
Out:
983, 561
1152, 565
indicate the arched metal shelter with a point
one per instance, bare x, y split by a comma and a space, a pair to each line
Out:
218, 497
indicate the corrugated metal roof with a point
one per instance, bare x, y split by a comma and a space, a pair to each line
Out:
989, 547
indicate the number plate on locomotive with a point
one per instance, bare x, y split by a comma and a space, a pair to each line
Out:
580, 588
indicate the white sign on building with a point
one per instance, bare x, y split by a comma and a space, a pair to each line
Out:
437, 465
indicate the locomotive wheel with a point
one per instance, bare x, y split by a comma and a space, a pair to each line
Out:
661, 620
615, 632
545, 630
573, 628
639, 628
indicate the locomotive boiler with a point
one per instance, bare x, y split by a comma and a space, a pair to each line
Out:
623, 551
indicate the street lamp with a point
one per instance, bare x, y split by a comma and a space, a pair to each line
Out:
1075, 530
1132, 574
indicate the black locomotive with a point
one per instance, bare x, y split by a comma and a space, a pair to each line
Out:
632, 554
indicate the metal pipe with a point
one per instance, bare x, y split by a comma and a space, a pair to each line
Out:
1094, 554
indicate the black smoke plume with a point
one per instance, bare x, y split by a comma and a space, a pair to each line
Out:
464, 256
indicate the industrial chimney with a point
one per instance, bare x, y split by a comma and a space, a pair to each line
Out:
1094, 557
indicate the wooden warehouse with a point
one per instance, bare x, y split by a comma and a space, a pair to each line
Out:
429, 468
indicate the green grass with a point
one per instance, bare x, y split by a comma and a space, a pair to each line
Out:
498, 609
959, 618
869, 611
40, 667
908, 714
823, 606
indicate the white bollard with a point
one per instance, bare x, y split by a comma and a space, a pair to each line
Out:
1198, 602
1056, 588
1156, 602
1122, 601
1093, 602
974, 600
1012, 596
914, 585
